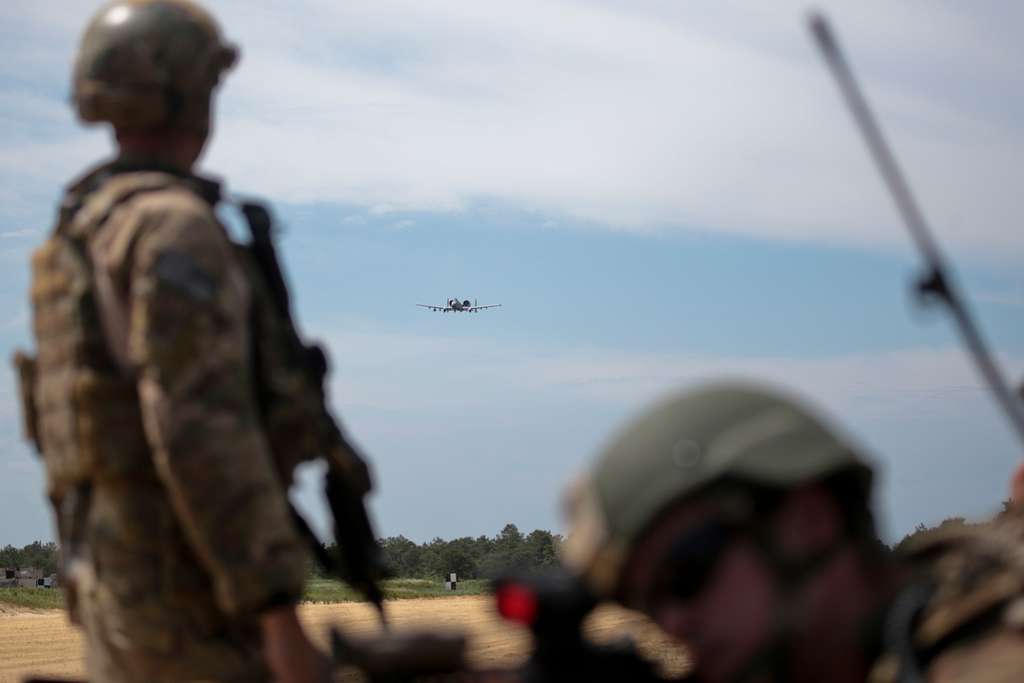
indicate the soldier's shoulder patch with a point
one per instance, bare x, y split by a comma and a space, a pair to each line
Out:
181, 272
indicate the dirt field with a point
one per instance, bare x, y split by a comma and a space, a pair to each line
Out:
42, 643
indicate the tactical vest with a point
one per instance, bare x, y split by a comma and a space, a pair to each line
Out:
81, 409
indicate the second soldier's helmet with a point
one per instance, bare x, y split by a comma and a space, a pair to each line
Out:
681, 448
149, 65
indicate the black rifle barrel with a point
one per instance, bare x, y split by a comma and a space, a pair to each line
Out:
360, 562
936, 282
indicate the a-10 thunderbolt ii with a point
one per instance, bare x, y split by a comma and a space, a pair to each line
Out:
456, 306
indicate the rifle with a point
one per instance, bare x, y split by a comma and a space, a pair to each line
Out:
360, 562
935, 284
553, 606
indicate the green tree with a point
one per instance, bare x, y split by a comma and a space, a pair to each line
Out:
921, 531
402, 556
509, 552
458, 556
9, 556
35, 555
540, 549
509, 540
432, 563
472, 558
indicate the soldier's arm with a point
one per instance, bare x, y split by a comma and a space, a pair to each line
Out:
188, 342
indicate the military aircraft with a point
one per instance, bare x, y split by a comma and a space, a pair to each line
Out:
456, 306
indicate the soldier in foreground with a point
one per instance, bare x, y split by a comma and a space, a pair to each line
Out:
740, 523
148, 400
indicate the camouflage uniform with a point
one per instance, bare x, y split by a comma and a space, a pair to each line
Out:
170, 503
962, 618
957, 617
164, 485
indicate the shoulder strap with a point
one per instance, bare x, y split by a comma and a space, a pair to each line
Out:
976, 573
94, 209
90, 201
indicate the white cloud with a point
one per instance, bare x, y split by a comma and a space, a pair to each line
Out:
644, 116
18, 234
494, 412
451, 374
21, 465
482, 407
27, 109
651, 115
20, 321
1011, 299
631, 118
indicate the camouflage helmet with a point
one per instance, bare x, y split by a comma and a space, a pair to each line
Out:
150, 64
681, 447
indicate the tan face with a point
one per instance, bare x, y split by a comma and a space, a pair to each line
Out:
734, 611
729, 618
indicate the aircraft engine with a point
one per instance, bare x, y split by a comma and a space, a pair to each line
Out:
466, 303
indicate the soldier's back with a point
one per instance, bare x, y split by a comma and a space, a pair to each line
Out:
144, 596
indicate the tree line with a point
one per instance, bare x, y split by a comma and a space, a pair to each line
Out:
483, 557
37, 555
473, 558
470, 558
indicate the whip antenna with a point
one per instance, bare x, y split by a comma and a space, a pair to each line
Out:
934, 283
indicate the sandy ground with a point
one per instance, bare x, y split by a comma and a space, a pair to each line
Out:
43, 643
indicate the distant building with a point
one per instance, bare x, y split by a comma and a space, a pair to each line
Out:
26, 578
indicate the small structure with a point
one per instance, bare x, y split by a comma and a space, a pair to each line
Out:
29, 578
451, 583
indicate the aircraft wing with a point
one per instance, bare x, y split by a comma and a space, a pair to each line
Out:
433, 308
474, 309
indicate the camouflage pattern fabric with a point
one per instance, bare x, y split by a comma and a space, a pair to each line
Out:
145, 407
970, 626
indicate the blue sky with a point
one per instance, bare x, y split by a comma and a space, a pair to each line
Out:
657, 193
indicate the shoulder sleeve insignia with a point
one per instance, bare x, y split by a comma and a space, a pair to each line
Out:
181, 272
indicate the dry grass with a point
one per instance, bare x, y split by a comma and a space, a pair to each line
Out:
43, 643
